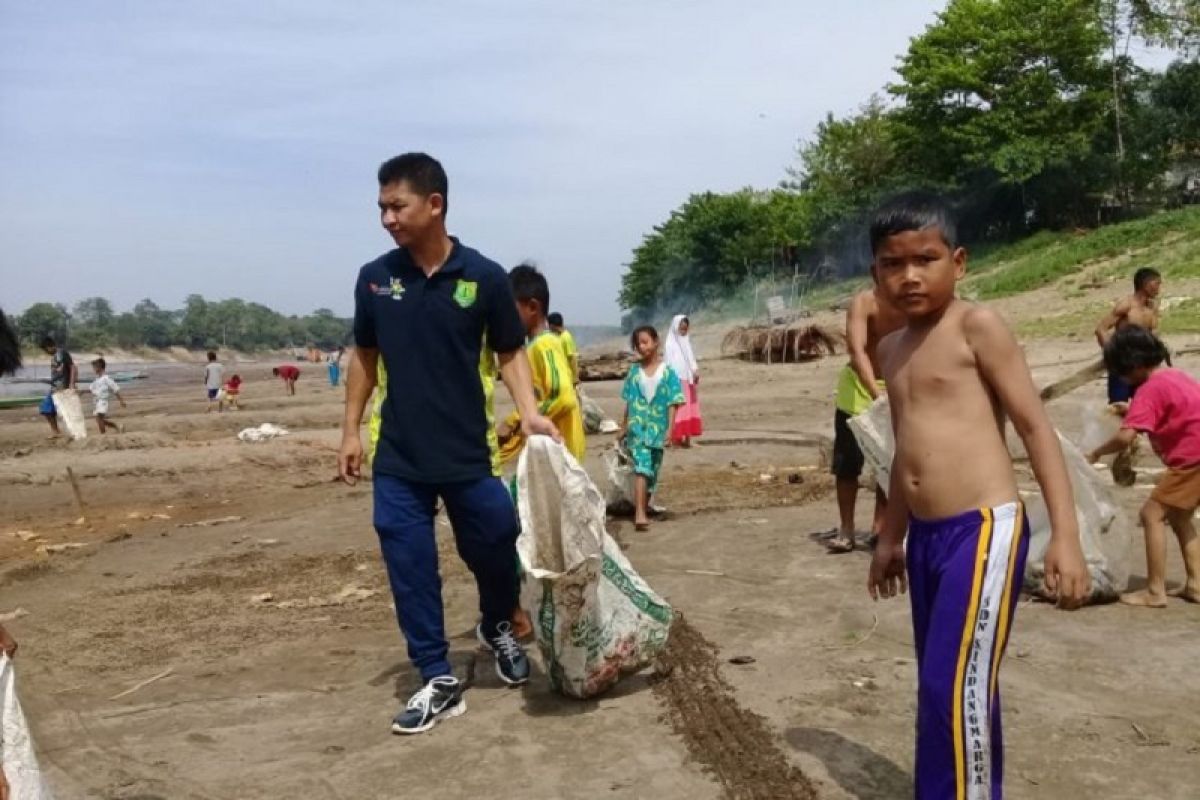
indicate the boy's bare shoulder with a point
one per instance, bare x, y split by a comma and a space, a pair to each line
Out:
977, 320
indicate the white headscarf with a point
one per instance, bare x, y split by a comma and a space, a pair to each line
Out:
679, 352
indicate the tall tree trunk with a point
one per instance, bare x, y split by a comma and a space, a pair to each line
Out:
1116, 85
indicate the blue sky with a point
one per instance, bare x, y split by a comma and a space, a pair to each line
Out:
155, 149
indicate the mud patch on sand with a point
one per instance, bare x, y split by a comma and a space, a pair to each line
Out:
734, 744
702, 489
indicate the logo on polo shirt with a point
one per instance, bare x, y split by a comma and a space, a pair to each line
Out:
465, 293
394, 290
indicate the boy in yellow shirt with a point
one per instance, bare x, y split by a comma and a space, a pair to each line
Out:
553, 380
570, 350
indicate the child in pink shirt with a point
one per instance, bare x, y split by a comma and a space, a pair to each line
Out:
1167, 409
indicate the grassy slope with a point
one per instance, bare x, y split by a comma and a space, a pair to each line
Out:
1075, 262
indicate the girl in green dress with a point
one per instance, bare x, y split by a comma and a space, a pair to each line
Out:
652, 394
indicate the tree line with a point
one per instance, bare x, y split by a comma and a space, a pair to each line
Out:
1031, 114
93, 324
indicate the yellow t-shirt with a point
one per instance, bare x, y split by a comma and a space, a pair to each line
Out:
555, 391
852, 396
569, 350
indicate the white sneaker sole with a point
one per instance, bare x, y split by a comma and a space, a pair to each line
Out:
499, 673
455, 711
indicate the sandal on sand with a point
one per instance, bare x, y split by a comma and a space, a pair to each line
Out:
840, 544
641, 526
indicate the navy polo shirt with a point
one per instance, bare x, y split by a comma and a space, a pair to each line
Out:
435, 336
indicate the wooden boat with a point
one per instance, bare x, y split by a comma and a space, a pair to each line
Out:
20, 402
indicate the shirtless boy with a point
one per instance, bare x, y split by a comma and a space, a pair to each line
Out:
869, 318
954, 373
1140, 309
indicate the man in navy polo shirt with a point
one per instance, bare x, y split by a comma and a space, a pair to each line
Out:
440, 316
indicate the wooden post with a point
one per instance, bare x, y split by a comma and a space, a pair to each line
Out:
75, 489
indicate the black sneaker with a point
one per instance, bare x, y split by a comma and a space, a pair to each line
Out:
439, 699
512, 665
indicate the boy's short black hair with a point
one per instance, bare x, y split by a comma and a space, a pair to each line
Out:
99, 363
212, 356
1132, 347
422, 172
639, 330
1144, 276
10, 347
48, 342
529, 284
914, 211
555, 319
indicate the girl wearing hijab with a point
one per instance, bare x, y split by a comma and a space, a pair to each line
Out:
682, 360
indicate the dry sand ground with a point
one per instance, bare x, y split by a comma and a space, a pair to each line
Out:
266, 701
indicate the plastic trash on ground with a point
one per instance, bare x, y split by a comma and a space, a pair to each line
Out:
262, 433
594, 617
594, 418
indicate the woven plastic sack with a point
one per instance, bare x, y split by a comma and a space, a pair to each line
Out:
20, 766
594, 617
1103, 531
619, 497
69, 408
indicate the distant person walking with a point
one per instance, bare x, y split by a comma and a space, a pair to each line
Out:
213, 373
63, 376
289, 374
440, 316
1140, 309
680, 357
103, 390
653, 394
569, 348
334, 362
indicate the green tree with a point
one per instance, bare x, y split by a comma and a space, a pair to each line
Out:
1176, 93
195, 326
326, 330
156, 325
44, 319
1012, 89
848, 164
95, 312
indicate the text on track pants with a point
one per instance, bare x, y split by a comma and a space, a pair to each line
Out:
965, 577
485, 532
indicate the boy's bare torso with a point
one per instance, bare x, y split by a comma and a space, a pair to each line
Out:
951, 454
1138, 311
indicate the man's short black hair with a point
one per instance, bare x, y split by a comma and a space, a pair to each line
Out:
212, 356
1144, 276
1132, 347
529, 284
99, 363
914, 211
423, 173
10, 347
639, 330
48, 342
555, 319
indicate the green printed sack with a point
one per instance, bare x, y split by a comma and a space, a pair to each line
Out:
594, 617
